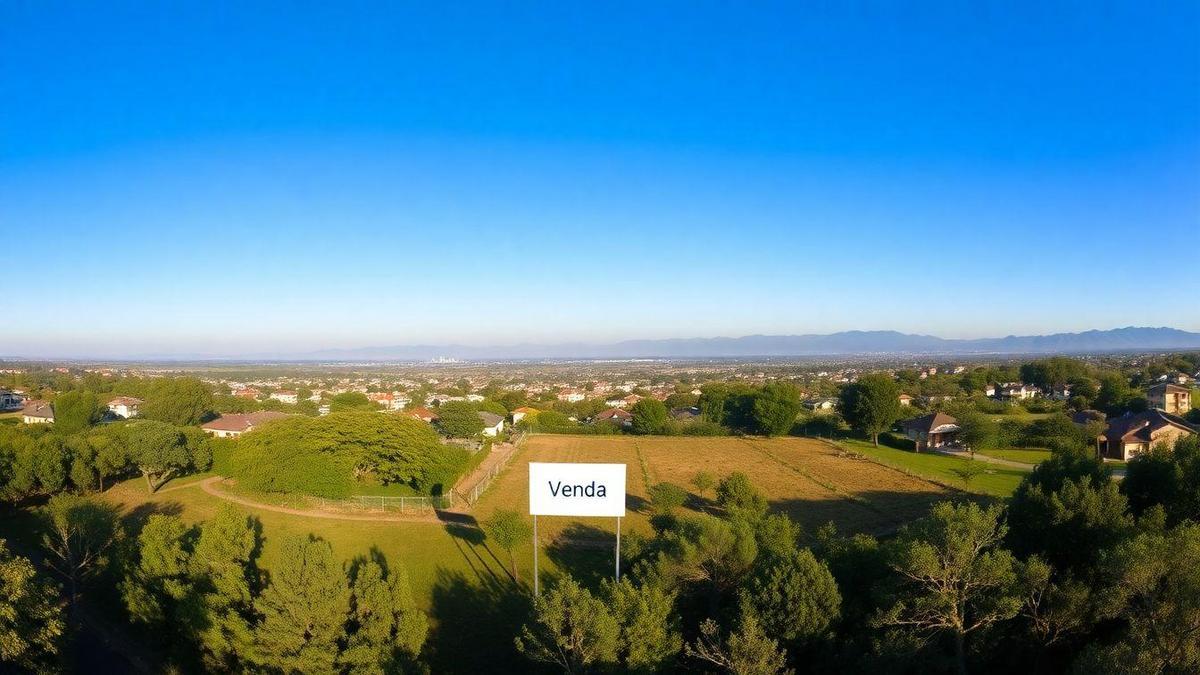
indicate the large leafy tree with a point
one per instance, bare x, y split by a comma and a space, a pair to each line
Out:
31, 621
79, 534
459, 419
775, 408
649, 416
75, 411
796, 598
304, 610
1166, 477
956, 578
326, 456
159, 450
388, 630
649, 624
222, 564
871, 405
158, 590
182, 401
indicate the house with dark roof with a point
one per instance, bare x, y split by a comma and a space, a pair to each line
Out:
1132, 434
931, 431
10, 400
493, 424
687, 414
234, 425
1170, 398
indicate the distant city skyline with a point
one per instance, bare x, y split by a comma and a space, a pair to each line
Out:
230, 180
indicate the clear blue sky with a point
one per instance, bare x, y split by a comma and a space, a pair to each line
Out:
296, 176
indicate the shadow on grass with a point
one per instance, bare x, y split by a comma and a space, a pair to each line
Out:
475, 622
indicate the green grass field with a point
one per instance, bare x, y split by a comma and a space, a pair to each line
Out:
998, 481
1024, 455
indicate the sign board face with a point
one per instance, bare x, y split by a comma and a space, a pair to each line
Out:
576, 489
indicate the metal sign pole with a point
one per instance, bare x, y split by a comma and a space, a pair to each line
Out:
618, 548
535, 557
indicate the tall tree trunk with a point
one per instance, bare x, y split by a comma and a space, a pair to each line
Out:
512, 560
875, 439
149, 485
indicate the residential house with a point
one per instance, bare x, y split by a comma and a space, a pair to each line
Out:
423, 414
125, 406
931, 431
523, 412
1170, 398
989, 390
1016, 391
685, 414
821, 404
616, 403
247, 392
571, 395
285, 396
905, 399
236, 424
10, 400
1061, 392
474, 398
631, 399
493, 424
38, 412
616, 416
1133, 434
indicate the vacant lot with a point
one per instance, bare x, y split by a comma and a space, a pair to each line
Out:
809, 480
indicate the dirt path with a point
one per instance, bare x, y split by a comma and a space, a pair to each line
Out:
963, 454
209, 485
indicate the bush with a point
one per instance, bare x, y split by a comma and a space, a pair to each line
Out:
894, 440
702, 428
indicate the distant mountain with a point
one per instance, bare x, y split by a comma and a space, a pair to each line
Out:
844, 343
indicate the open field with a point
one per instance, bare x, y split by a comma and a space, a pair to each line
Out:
998, 481
1025, 455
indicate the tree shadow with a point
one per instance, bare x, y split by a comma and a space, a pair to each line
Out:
475, 622
584, 551
135, 518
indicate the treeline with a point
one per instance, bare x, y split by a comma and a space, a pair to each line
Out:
1074, 574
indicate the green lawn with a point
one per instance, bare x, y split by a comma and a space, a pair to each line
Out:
998, 481
1024, 455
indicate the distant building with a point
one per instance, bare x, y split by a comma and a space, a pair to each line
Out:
37, 412
493, 424
1133, 434
125, 406
423, 414
688, 414
247, 392
821, 404
284, 396
905, 399
931, 431
1016, 391
1170, 398
523, 412
10, 400
616, 416
571, 395
234, 425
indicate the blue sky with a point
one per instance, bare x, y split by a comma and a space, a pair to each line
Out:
295, 176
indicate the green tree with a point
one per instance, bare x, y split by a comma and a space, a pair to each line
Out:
304, 610
1167, 477
79, 533
31, 621
749, 651
649, 416
509, 529
1157, 593
704, 482
158, 450
222, 564
796, 598
459, 419
351, 401
738, 496
388, 629
649, 625
977, 431
775, 408
667, 497
956, 578
571, 629
181, 401
75, 411
871, 405
158, 590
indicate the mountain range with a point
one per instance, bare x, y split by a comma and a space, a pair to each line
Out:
833, 344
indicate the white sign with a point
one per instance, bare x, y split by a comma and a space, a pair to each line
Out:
576, 489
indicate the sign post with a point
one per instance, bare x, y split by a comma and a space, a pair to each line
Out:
576, 490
